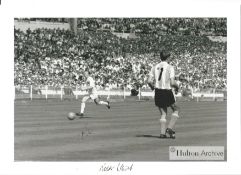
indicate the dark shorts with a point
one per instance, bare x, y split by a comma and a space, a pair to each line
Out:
164, 98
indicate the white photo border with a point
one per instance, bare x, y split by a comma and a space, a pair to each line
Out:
9, 9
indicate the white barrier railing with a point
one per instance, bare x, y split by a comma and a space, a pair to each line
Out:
59, 93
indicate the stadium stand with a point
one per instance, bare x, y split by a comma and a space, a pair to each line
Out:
57, 57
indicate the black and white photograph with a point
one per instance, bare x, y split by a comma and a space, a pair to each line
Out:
120, 88
93, 89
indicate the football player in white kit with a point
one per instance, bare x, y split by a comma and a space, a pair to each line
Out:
162, 79
92, 94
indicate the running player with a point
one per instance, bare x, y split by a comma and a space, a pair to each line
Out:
161, 79
92, 94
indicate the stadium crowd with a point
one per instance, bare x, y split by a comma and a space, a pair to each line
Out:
58, 57
181, 26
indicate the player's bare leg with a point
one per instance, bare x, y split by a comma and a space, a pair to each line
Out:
163, 121
101, 102
82, 108
175, 115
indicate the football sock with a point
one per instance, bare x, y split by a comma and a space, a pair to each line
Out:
173, 120
103, 103
163, 125
82, 109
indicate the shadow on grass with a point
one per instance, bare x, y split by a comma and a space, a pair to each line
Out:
150, 136
84, 117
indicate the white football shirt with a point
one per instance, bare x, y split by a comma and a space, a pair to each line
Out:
162, 73
91, 82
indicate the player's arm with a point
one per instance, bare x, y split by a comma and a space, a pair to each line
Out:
151, 79
172, 80
151, 85
174, 85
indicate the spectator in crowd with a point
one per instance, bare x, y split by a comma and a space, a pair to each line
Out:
57, 57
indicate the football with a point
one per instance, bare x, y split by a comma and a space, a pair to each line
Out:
71, 116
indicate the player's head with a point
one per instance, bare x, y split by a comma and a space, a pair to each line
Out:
164, 55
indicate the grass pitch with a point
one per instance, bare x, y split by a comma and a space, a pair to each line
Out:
129, 131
